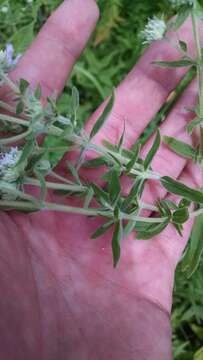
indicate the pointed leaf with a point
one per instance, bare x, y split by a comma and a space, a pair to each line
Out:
150, 230
180, 216
174, 64
75, 99
114, 187
120, 143
134, 193
134, 157
117, 236
183, 45
181, 17
193, 124
178, 188
38, 92
88, 198
101, 196
102, 229
23, 85
152, 152
19, 108
95, 163
100, 121
43, 188
180, 147
27, 151
194, 251
73, 171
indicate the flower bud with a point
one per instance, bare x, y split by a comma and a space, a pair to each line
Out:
154, 30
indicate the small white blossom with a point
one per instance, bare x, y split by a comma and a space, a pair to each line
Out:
29, 1
7, 62
9, 173
8, 162
4, 9
154, 30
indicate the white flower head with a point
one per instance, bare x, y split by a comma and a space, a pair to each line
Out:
181, 2
4, 9
154, 30
7, 62
8, 162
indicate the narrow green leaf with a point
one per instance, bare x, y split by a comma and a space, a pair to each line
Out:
174, 64
75, 99
170, 204
152, 152
120, 143
117, 236
95, 163
23, 85
43, 188
164, 208
38, 92
129, 227
180, 147
134, 193
180, 216
101, 196
183, 45
19, 108
150, 230
194, 251
100, 122
114, 187
181, 17
88, 198
102, 229
178, 188
193, 124
73, 171
184, 203
134, 158
125, 152
27, 151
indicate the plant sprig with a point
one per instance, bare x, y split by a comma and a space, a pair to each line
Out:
35, 138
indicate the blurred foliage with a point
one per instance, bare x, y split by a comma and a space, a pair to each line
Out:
111, 53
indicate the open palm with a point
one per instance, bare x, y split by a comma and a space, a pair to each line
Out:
60, 296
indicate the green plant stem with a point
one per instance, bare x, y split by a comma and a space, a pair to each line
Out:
13, 120
54, 186
10, 83
72, 187
59, 177
74, 210
199, 72
14, 139
7, 107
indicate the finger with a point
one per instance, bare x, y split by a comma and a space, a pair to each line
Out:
52, 55
167, 162
170, 241
141, 94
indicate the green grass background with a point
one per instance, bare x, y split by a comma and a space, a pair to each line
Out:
111, 53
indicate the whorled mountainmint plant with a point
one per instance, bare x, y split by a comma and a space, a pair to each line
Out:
43, 136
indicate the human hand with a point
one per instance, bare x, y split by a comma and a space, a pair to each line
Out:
61, 296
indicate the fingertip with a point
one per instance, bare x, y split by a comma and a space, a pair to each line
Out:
60, 42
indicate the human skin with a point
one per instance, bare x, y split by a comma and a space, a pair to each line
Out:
61, 298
